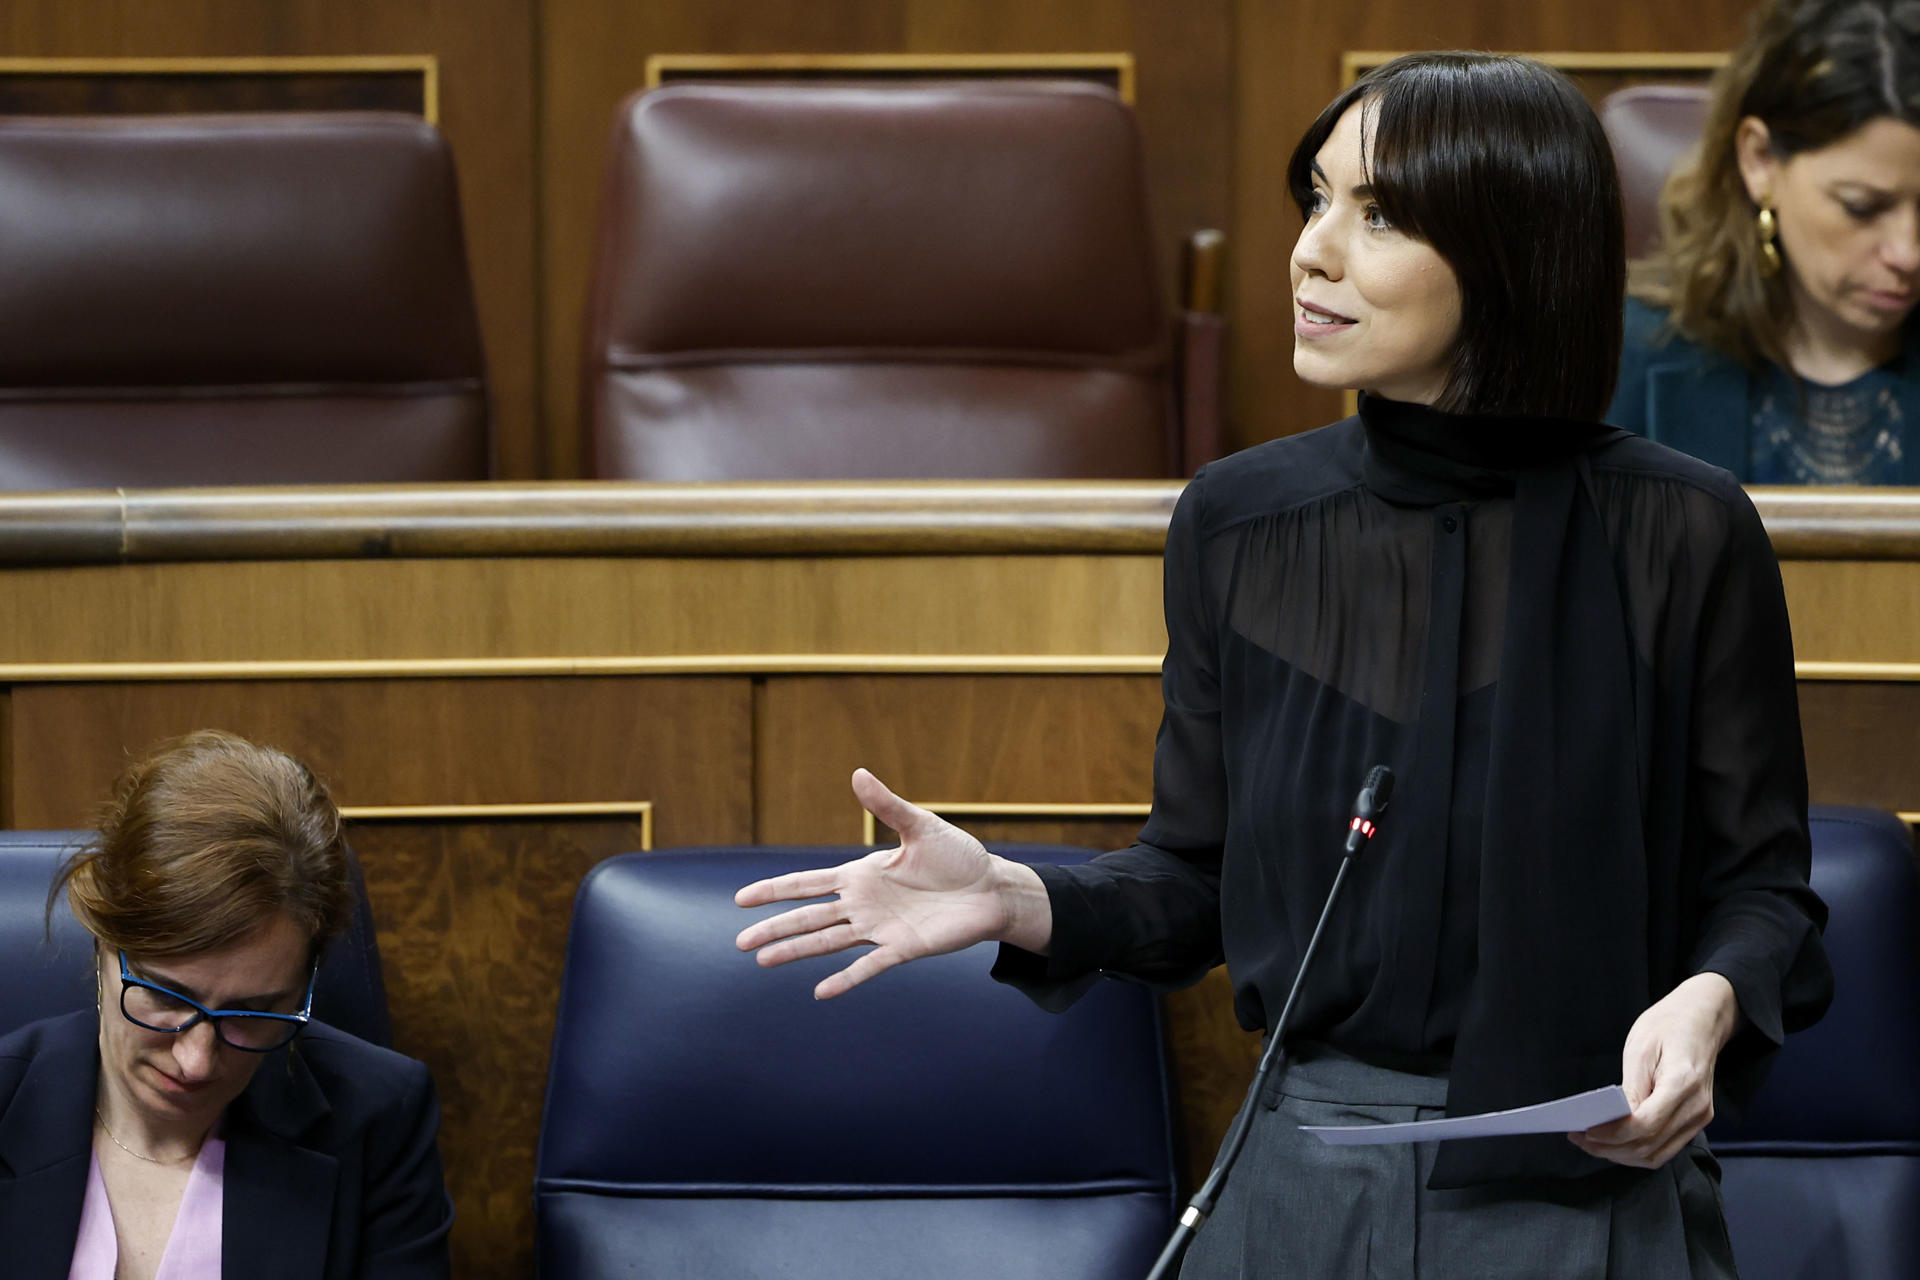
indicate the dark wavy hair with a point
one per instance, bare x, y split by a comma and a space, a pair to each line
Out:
1812, 71
1501, 165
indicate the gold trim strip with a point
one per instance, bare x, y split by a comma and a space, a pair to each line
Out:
1910, 817
1355, 61
427, 64
705, 664
1120, 63
693, 664
1012, 809
643, 809
1880, 672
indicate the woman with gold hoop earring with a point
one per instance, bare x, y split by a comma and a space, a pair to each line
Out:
1770, 332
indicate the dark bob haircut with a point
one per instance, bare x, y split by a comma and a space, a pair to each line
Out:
1502, 167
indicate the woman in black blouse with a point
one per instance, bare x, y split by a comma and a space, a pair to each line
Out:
1569, 643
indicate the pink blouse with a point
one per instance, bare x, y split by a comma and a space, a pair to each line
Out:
193, 1246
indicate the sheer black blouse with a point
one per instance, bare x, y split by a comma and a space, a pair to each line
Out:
1328, 611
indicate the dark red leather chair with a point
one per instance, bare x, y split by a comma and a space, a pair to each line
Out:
942, 280
1651, 127
235, 299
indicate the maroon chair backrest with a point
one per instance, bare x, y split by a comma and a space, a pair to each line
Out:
931, 281
1651, 127
243, 299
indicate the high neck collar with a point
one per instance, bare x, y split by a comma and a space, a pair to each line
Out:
1418, 455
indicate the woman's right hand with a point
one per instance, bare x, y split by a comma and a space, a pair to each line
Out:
939, 891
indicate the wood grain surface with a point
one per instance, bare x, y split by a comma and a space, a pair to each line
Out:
1863, 743
523, 608
472, 922
970, 738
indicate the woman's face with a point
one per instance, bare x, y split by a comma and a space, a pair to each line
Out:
1373, 308
1849, 227
187, 1079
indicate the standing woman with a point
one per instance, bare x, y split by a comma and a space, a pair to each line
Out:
1571, 646
1771, 333
198, 1124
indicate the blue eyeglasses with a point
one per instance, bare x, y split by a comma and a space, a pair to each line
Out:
150, 1005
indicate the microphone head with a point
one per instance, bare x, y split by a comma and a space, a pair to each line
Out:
1377, 791
1368, 805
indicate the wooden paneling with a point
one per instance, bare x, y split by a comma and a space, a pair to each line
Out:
594, 52
6, 759
1084, 833
977, 738
485, 52
415, 742
1863, 743
185, 86
1854, 611
576, 608
471, 913
472, 921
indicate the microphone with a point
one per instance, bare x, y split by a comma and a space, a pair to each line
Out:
1369, 805
1375, 792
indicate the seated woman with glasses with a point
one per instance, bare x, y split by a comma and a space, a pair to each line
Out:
199, 1123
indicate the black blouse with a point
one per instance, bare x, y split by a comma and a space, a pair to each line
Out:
1340, 599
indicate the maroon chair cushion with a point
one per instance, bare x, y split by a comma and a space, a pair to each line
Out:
235, 299
1651, 127
938, 280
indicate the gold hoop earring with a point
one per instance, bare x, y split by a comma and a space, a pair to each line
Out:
1769, 227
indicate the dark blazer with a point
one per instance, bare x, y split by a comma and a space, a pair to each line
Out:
332, 1172
1693, 398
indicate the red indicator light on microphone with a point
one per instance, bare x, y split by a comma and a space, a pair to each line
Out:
1364, 827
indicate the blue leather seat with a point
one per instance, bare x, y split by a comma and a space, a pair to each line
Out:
45, 977
706, 1117
1822, 1175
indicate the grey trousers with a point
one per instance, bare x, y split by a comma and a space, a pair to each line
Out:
1295, 1207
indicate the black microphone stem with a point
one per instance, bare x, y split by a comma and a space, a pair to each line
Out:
1372, 801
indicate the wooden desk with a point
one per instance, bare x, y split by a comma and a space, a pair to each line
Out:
507, 683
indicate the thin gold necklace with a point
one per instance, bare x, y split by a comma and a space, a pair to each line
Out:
98, 1115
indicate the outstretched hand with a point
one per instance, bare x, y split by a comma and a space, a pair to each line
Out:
1667, 1073
938, 891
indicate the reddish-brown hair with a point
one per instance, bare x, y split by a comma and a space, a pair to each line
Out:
204, 841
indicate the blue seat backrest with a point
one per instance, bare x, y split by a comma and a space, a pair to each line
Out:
707, 1117
1822, 1175
47, 976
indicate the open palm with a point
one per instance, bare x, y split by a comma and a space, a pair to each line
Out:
938, 891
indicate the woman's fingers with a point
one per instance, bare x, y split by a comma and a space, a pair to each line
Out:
873, 795
1655, 1132
820, 915
870, 965
818, 883
821, 942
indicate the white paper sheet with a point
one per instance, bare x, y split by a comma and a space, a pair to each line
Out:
1562, 1115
